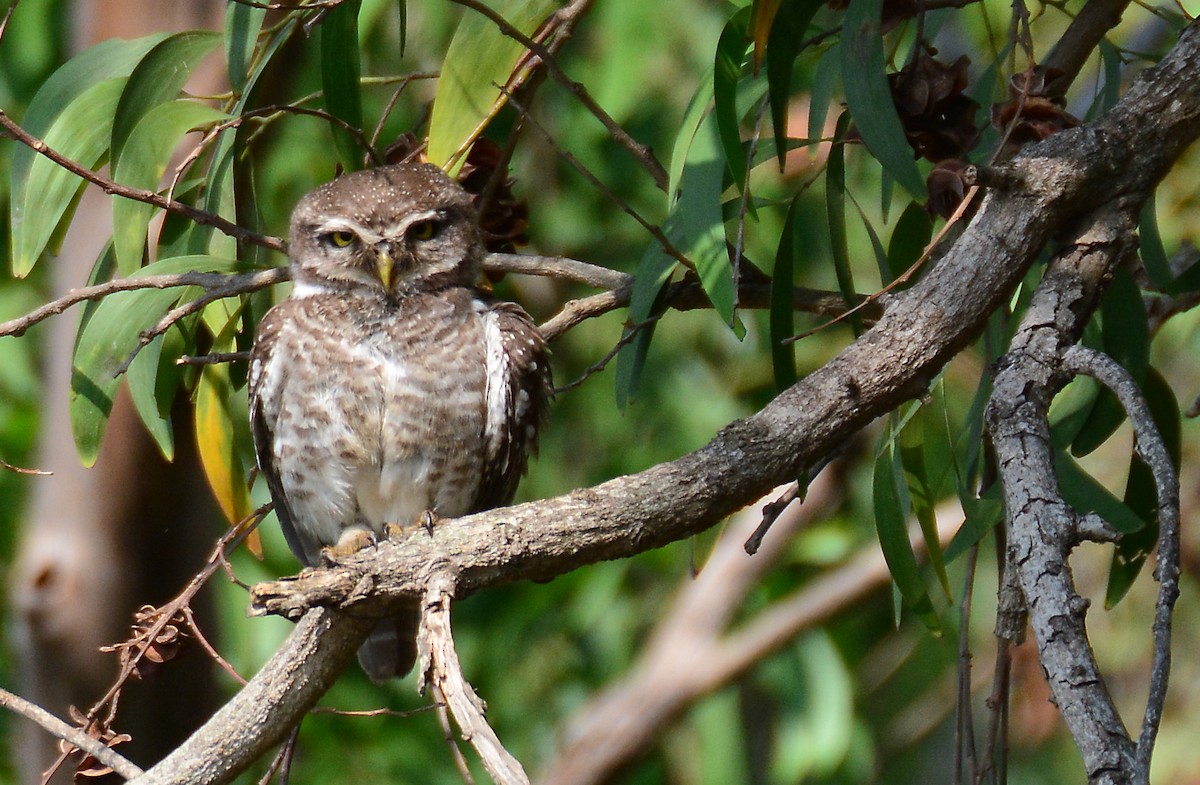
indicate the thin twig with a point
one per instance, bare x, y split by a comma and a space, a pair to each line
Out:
245, 282
229, 540
7, 15
443, 715
60, 729
964, 729
655, 231
641, 153
599, 365
315, 4
140, 194
22, 470
213, 358
230, 288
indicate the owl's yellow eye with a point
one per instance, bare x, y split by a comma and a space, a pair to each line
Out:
422, 230
341, 238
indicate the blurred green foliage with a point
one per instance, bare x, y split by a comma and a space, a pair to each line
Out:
855, 701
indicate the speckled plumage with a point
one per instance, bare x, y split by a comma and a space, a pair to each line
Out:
386, 385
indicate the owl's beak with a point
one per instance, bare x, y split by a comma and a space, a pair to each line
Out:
385, 266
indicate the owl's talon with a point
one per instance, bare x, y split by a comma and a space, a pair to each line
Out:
351, 542
428, 520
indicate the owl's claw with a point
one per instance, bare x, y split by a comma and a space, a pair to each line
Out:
426, 521
351, 542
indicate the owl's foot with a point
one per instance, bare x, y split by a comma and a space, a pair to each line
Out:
427, 520
350, 542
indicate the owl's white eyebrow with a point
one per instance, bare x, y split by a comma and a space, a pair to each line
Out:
400, 227
346, 225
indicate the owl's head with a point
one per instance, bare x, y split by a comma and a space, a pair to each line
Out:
391, 231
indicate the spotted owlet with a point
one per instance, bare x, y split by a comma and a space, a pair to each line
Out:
387, 386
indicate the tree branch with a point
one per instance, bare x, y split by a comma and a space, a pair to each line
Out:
139, 194
442, 674
1153, 450
92, 746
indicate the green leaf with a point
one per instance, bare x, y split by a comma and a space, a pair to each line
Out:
982, 515
159, 77
242, 25
835, 211
696, 223
1150, 247
891, 524
869, 98
1141, 491
1070, 409
109, 337
107, 60
218, 182
911, 441
782, 316
149, 150
81, 133
909, 238
727, 72
479, 58
153, 378
824, 85
652, 275
783, 46
1085, 495
340, 75
1126, 338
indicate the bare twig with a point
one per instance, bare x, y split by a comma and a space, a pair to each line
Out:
655, 231
641, 153
231, 539
80, 739
598, 366
22, 470
246, 282
229, 288
213, 358
304, 6
442, 674
140, 194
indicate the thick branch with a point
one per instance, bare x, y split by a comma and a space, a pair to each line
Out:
295, 677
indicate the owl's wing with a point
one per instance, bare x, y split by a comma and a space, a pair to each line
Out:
518, 396
265, 381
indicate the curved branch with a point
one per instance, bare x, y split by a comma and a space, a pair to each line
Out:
1152, 448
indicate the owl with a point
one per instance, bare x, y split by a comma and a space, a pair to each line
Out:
387, 389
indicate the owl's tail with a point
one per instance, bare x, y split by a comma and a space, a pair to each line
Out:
391, 648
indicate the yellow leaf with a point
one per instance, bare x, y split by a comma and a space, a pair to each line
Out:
761, 18
216, 425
